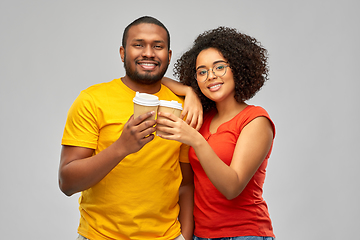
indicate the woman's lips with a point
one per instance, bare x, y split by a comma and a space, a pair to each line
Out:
214, 87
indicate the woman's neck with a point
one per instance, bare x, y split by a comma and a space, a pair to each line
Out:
229, 109
225, 112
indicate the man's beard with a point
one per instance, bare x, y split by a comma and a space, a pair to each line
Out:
146, 78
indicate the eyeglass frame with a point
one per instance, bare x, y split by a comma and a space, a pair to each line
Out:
225, 64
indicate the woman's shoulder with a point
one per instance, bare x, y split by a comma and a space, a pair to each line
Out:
251, 112
248, 114
254, 111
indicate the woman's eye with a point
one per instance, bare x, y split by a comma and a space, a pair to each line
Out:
220, 67
202, 72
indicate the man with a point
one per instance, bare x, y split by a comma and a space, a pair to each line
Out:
134, 185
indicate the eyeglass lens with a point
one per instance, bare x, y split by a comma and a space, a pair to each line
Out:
202, 74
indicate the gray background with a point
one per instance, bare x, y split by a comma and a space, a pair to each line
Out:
51, 50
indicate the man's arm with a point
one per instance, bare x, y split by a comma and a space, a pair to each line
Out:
79, 169
186, 201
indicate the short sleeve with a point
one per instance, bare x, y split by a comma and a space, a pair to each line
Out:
184, 153
81, 127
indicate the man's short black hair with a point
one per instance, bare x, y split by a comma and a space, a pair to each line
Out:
144, 19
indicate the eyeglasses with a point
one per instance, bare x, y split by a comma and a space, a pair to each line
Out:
202, 74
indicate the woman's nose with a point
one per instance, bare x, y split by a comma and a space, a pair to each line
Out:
211, 74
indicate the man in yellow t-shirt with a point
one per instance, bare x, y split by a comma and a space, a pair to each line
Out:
133, 184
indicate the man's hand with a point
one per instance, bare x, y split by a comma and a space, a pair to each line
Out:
136, 133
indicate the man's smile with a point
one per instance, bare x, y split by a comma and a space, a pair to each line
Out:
147, 65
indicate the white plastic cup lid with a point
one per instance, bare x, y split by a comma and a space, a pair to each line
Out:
146, 99
171, 104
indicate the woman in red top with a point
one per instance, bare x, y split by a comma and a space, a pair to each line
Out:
230, 152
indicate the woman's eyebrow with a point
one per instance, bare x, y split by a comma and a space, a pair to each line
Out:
219, 61
214, 63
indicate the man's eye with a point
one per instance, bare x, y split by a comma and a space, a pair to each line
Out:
158, 47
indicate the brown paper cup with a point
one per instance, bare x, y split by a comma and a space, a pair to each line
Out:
174, 111
144, 103
140, 109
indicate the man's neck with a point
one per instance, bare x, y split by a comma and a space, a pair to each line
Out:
143, 88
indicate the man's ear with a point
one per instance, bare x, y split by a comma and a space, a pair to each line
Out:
122, 53
170, 53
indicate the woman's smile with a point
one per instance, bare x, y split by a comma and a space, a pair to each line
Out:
214, 87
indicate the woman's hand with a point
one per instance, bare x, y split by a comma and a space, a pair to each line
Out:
192, 109
192, 105
175, 128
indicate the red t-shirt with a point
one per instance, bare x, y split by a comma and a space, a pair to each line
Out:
245, 215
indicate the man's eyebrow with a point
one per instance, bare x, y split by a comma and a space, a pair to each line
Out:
142, 40
159, 41
137, 40
214, 63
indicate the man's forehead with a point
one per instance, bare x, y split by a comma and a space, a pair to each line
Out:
147, 32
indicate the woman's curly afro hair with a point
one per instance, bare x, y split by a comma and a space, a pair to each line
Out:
246, 57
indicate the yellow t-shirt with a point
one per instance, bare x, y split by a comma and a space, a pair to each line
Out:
138, 199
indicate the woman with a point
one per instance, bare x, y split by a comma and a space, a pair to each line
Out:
230, 152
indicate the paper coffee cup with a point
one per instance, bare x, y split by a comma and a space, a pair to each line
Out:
171, 107
144, 103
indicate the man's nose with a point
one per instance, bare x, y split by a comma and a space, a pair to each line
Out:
148, 52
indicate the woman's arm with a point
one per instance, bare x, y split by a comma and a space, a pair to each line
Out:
192, 104
251, 149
